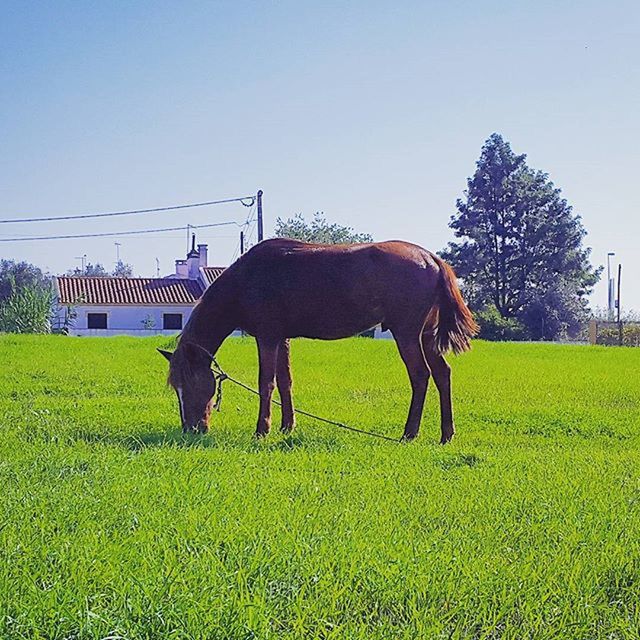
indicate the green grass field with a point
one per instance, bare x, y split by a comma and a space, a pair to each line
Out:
114, 525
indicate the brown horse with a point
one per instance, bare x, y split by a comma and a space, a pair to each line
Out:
283, 289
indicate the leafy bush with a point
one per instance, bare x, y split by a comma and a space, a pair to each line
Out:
148, 322
494, 327
609, 335
28, 310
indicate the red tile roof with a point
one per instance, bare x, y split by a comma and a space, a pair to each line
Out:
212, 273
111, 290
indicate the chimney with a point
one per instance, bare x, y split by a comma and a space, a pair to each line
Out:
202, 250
193, 260
181, 269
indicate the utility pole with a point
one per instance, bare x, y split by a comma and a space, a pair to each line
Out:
260, 222
157, 267
241, 242
610, 288
620, 328
117, 252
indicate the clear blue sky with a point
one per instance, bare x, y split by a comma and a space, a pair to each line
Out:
371, 112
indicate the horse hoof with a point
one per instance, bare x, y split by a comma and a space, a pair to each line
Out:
261, 434
286, 429
408, 437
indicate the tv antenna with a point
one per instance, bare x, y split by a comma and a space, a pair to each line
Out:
83, 261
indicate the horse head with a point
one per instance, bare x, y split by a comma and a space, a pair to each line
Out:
191, 376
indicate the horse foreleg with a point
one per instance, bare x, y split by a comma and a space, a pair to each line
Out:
268, 355
411, 353
285, 382
441, 372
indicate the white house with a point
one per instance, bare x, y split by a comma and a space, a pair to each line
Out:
104, 306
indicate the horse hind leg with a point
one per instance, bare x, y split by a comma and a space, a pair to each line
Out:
412, 355
441, 372
285, 383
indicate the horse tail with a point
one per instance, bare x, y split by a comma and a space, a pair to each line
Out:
450, 322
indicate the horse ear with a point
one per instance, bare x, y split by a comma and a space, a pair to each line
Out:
166, 354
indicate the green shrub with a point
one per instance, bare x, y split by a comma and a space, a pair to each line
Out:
610, 335
28, 310
494, 327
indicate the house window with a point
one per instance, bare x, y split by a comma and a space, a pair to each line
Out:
172, 321
96, 320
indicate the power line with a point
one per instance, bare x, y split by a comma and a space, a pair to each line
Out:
243, 200
121, 233
249, 239
247, 225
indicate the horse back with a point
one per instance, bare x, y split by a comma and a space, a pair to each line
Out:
293, 288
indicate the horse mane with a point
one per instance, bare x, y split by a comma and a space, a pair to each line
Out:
181, 367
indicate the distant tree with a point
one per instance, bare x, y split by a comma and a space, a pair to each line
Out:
15, 276
521, 245
319, 230
628, 315
97, 270
123, 270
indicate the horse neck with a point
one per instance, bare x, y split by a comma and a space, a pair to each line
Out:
212, 320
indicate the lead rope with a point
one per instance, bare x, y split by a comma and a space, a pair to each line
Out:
221, 376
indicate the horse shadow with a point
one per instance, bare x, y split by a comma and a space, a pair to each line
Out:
223, 440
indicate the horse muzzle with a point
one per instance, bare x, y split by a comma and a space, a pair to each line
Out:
201, 427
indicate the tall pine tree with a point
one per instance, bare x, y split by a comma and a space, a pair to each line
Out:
521, 246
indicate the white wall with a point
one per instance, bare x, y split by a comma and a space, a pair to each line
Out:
125, 319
